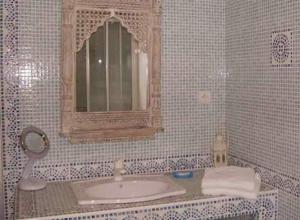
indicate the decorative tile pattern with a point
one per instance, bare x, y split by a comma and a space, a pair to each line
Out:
206, 210
139, 166
282, 48
1, 109
103, 169
11, 150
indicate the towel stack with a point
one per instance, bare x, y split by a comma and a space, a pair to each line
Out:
231, 181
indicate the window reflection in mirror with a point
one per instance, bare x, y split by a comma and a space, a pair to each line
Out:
111, 71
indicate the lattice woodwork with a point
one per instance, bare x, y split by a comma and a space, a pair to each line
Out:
89, 20
136, 23
136, 5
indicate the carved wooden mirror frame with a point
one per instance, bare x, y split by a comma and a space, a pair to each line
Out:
80, 19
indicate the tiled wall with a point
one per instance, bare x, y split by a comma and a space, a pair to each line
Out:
263, 99
192, 61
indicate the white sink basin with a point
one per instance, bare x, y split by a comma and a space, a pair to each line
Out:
130, 189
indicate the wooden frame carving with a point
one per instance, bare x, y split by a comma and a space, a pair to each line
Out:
80, 19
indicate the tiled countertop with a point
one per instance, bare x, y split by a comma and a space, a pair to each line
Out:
58, 199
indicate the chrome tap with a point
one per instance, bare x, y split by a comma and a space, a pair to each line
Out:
119, 170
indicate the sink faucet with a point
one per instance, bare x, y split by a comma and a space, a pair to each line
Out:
119, 170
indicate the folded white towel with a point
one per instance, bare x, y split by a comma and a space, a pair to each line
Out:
248, 194
229, 177
230, 192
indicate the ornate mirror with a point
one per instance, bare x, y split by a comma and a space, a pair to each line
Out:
111, 70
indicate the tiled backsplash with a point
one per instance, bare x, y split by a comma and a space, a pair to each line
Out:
262, 96
192, 61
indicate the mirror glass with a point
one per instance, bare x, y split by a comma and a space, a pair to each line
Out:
35, 142
111, 71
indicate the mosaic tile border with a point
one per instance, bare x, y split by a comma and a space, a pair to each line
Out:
105, 168
11, 151
285, 183
1, 111
222, 207
9, 101
141, 166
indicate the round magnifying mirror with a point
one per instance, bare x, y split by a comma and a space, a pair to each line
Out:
35, 144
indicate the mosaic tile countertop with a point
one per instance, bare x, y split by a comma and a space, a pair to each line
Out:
58, 199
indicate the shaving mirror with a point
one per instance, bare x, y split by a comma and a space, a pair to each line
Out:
35, 145
110, 70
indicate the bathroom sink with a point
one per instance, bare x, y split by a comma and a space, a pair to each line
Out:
127, 190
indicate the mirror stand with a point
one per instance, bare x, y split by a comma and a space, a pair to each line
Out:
29, 183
